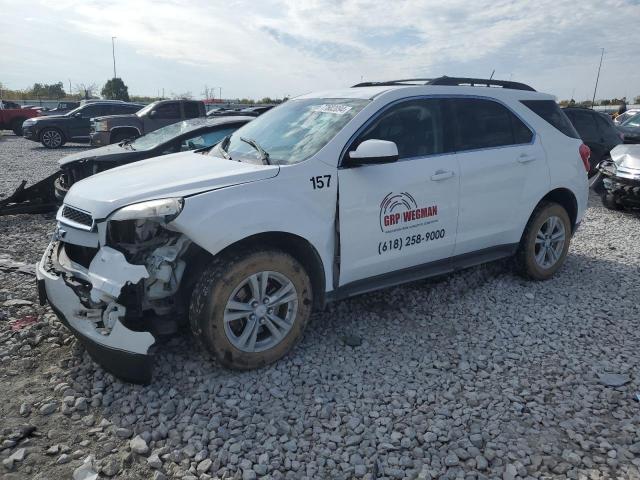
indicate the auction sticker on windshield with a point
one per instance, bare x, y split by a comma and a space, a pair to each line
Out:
336, 108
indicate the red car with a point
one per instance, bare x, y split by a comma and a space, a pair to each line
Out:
12, 116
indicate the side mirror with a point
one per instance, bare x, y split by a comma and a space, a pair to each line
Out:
373, 152
152, 113
78, 115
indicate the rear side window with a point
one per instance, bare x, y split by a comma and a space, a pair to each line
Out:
549, 111
191, 110
584, 123
487, 124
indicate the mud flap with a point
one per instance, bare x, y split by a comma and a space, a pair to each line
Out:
37, 198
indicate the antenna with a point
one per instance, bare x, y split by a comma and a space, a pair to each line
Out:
491, 77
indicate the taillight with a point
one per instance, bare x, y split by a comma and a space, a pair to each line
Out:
585, 153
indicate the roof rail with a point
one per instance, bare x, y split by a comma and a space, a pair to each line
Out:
451, 81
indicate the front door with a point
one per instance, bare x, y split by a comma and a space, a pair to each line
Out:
165, 114
403, 214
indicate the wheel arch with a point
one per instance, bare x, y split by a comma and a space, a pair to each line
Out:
124, 128
567, 199
52, 127
296, 246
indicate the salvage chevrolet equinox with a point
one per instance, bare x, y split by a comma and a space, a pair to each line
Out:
327, 196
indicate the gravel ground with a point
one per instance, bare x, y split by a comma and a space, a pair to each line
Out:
475, 375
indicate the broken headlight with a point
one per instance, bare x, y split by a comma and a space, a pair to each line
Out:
163, 210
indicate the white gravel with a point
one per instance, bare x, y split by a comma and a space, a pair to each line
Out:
475, 375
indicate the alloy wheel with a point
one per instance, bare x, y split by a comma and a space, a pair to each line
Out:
52, 138
549, 242
260, 311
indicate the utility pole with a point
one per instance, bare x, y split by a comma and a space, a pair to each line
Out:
70, 87
113, 52
597, 78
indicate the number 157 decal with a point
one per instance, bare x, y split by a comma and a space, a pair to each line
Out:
321, 181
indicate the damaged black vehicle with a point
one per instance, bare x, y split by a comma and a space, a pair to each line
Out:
47, 194
621, 178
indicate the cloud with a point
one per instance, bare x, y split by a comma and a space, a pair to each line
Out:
274, 47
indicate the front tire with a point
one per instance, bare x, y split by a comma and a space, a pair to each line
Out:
51, 138
250, 309
545, 242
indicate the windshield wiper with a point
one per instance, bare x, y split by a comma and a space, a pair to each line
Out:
264, 156
128, 144
223, 145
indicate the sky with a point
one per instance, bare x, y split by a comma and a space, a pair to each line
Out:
282, 48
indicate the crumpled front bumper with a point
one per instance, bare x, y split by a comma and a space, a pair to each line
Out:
122, 351
623, 183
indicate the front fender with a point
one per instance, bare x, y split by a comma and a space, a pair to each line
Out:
217, 219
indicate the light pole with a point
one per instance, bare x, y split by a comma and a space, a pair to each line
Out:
113, 53
597, 78
69, 87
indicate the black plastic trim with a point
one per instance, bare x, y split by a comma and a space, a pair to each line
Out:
420, 272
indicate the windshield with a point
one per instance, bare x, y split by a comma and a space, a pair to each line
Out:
632, 122
73, 112
162, 135
146, 109
292, 132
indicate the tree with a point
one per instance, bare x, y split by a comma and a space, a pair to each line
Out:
115, 89
86, 91
182, 96
43, 90
636, 100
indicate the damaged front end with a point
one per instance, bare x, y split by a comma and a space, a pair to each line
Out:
621, 175
116, 283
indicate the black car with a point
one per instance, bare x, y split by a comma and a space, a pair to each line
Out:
53, 131
597, 131
630, 129
190, 134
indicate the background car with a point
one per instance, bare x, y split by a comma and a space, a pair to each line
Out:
55, 130
630, 129
597, 131
625, 116
62, 108
178, 137
106, 130
12, 116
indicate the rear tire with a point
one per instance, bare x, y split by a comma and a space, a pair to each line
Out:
250, 308
51, 138
545, 242
16, 126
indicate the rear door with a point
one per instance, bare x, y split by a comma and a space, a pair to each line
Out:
400, 215
502, 172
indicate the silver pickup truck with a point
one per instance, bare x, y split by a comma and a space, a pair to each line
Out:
116, 128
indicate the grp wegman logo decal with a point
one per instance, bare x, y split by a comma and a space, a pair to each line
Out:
399, 211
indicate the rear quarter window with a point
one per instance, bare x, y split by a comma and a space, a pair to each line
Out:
550, 112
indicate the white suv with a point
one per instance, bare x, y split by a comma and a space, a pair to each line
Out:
329, 195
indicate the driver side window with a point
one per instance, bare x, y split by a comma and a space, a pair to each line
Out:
414, 126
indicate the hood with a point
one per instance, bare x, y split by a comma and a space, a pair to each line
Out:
46, 118
124, 116
95, 153
175, 175
626, 157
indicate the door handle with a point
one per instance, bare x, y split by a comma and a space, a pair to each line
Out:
442, 175
525, 158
